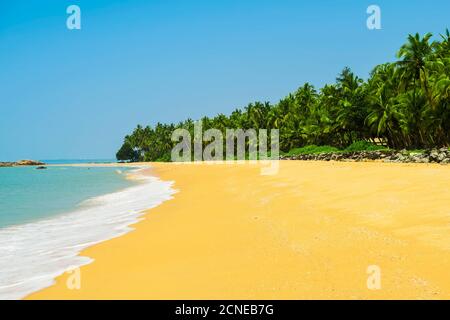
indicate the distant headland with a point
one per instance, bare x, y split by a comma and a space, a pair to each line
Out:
21, 163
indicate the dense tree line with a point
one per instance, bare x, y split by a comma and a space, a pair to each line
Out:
403, 104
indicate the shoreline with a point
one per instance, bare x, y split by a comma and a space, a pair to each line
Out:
43, 249
231, 233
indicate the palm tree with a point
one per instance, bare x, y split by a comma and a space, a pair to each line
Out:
414, 55
406, 103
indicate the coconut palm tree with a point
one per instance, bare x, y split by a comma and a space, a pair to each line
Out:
414, 55
406, 104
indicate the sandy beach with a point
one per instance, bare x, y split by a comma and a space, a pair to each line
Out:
308, 232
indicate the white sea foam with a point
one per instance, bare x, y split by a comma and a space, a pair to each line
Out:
33, 254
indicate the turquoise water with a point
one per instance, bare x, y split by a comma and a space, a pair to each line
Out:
78, 161
27, 194
47, 217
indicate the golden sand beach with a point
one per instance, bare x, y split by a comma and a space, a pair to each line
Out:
310, 231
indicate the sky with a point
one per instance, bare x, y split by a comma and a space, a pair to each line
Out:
74, 94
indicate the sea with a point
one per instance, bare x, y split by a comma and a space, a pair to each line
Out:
48, 216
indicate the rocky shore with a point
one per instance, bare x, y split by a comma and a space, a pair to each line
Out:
21, 163
428, 156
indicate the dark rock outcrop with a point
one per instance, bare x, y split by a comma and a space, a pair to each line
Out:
428, 156
29, 163
7, 164
21, 163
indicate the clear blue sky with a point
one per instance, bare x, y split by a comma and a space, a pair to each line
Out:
76, 93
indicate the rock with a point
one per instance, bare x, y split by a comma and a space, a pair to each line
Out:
441, 157
6, 164
336, 157
21, 163
374, 155
41, 168
417, 158
29, 163
398, 157
434, 154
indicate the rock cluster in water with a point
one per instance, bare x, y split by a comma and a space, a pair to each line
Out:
429, 156
21, 163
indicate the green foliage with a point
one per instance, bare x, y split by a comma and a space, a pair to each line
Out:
126, 153
415, 151
363, 146
403, 105
164, 158
312, 150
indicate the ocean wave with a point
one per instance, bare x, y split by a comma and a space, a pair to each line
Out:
33, 254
